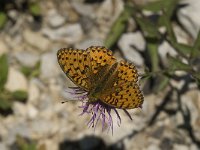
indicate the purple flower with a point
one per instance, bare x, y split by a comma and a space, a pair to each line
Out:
98, 110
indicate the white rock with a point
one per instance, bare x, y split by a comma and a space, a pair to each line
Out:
70, 34
180, 147
3, 146
109, 11
33, 92
27, 59
55, 19
83, 9
89, 42
32, 112
165, 49
3, 48
189, 16
16, 81
36, 40
49, 66
194, 147
153, 147
41, 127
187, 101
49, 144
20, 109
129, 43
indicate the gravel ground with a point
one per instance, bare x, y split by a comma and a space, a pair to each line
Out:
42, 118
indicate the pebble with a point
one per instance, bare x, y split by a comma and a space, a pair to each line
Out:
83, 9
48, 144
32, 111
164, 49
3, 48
33, 92
27, 59
180, 147
189, 16
20, 109
153, 147
55, 20
71, 33
130, 44
49, 67
36, 40
3, 146
89, 42
44, 119
16, 81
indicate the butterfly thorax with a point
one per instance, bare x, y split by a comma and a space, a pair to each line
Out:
96, 92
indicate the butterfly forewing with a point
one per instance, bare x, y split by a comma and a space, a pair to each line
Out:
101, 60
74, 64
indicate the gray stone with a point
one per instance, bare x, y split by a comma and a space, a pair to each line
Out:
165, 49
55, 19
36, 40
49, 144
27, 59
49, 66
130, 44
3, 146
3, 47
180, 147
16, 80
189, 16
153, 147
70, 34
194, 147
19, 128
83, 9
108, 12
20, 109
33, 92
41, 127
13, 13
32, 111
89, 42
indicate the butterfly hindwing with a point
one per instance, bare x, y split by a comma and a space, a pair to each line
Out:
121, 89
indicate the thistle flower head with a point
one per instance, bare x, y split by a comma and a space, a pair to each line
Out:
99, 111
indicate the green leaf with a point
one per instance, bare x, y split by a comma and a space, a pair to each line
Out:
153, 54
3, 19
25, 144
3, 70
4, 103
196, 76
163, 82
26, 71
149, 29
34, 8
165, 21
20, 95
176, 64
197, 42
196, 47
118, 27
159, 5
31, 72
182, 49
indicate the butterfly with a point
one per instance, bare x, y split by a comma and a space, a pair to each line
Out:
96, 71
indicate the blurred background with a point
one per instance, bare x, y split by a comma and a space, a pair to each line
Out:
161, 37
